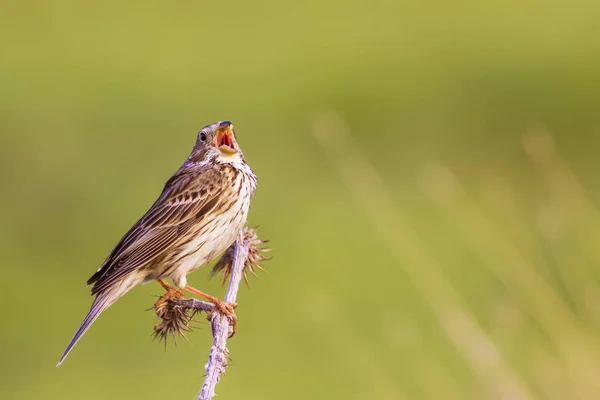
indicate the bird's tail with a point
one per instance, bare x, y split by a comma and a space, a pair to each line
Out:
102, 301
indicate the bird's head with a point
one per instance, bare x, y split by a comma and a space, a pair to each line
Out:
216, 142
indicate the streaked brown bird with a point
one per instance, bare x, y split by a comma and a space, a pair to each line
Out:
198, 215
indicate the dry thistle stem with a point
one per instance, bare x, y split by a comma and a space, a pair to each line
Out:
255, 257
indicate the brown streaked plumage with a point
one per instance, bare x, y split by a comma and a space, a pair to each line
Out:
198, 215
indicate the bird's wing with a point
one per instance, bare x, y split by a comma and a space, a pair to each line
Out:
185, 201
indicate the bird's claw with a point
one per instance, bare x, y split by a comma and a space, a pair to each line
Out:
226, 309
171, 293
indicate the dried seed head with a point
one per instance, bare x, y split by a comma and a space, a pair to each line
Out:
174, 318
255, 256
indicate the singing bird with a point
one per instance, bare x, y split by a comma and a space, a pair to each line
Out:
198, 215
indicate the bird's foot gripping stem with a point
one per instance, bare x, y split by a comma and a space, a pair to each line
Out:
221, 306
171, 293
226, 309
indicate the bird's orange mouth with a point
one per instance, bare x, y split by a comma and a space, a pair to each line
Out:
225, 140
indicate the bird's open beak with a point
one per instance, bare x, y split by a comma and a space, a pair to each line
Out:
224, 139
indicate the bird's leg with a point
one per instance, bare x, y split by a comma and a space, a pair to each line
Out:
220, 305
171, 292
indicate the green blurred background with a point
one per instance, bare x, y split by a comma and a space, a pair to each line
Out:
427, 178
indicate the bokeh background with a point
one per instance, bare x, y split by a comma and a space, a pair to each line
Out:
428, 178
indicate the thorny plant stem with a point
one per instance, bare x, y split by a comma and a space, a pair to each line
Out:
221, 325
196, 304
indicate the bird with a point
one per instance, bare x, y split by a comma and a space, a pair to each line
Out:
198, 215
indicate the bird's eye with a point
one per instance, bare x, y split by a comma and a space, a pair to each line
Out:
203, 136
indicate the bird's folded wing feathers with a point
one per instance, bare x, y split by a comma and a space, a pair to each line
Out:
183, 203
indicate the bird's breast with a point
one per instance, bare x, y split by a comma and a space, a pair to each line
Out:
216, 234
